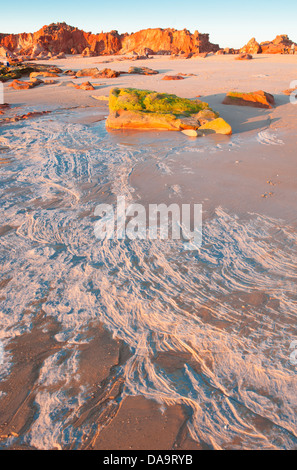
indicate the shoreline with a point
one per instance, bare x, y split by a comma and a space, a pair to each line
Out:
118, 338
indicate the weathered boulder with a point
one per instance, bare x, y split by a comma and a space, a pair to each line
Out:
144, 109
256, 99
244, 57
43, 74
85, 86
91, 72
252, 47
142, 71
217, 126
96, 73
107, 73
173, 77
20, 70
20, 85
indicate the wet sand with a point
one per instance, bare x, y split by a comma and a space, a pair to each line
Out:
77, 375
212, 78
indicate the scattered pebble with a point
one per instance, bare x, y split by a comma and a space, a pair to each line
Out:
265, 195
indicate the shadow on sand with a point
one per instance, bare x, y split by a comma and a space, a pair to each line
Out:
244, 118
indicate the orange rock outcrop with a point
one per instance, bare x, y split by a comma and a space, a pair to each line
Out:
280, 45
57, 39
172, 41
256, 99
60, 38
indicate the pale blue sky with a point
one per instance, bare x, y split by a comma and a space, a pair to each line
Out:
229, 23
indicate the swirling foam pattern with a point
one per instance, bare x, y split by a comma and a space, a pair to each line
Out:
230, 307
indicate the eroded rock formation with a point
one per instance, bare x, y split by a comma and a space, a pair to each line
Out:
280, 45
168, 41
58, 38
143, 109
256, 99
252, 47
61, 38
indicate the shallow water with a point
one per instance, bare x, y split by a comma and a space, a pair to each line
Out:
228, 309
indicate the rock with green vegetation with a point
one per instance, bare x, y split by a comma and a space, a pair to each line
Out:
18, 71
145, 109
142, 71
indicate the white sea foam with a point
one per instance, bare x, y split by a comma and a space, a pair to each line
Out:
267, 137
151, 294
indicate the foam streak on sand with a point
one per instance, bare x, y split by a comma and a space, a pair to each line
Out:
268, 138
229, 309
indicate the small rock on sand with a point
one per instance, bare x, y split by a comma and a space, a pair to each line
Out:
21, 85
173, 77
256, 99
244, 57
192, 133
85, 86
142, 71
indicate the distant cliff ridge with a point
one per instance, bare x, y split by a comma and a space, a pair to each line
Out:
61, 38
57, 39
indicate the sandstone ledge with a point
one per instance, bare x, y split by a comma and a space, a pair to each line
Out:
144, 109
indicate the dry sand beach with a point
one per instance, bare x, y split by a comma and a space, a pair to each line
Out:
139, 344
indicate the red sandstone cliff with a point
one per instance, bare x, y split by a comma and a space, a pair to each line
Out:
167, 40
280, 45
62, 38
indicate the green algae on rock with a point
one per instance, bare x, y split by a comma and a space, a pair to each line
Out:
142, 71
146, 109
18, 71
